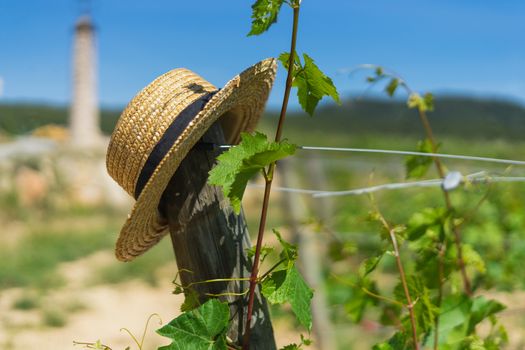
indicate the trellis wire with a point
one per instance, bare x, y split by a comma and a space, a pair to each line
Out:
407, 153
473, 178
425, 183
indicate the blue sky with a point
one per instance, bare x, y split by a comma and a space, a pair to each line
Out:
448, 46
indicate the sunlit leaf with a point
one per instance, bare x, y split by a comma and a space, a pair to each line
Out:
240, 163
264, 14
427, 219
370, 264
482, 308
289, 286
289, 251
417, 166
423, 104
311, 83
424, 309
392, 87
201, 329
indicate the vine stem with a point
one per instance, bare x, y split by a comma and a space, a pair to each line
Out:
268, 177
441, 277
439, 166
410, 304
457, 234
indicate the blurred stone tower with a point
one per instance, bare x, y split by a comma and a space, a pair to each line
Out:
84, 115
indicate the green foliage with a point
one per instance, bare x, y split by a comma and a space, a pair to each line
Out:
203, 328
417, 166
370, 264
96, 345
493, 249
191, 300
286, 284
339, 250
473, 119
423, 104
22, 118
399, 341
139, 341
311, 83
304, 341
290, 347
34, 258
429, 222
458, 321
472, 258
378, 122
265, 251
424, 309
53, 317
481, 309
382, 346
240, 163
143, 268
264, 14
360, 299
289, 251
392, 87
26, 302
289, 286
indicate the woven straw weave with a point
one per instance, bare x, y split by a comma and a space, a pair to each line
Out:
240, 103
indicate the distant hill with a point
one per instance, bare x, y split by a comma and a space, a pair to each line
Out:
21, 118
454, 116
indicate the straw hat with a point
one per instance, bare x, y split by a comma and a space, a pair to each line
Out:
160, 126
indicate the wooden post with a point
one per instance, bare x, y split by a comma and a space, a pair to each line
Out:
324, 206
211, 241
310, 256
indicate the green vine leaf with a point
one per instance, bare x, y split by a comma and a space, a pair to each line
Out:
304, 341
399, 341
382, 346
423, 104
417, 166
286, 284
264, 14
289, 253
191, 300
357, 305
340, 250
392, 87
452, 320
289, 286
290, 347
265, 251
240, 163
311, 83
429, 221
458, 321
424, 309
201, 329
370, 264
472, 258
482, 308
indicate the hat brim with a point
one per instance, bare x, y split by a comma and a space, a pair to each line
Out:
246, 94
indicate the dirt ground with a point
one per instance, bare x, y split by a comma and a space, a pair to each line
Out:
91, 313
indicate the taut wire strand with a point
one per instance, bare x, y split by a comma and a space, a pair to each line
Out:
406, 153
476, 178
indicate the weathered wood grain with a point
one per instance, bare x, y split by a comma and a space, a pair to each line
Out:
211, 241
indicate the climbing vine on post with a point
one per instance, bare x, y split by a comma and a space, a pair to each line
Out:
255, 154
425, 308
